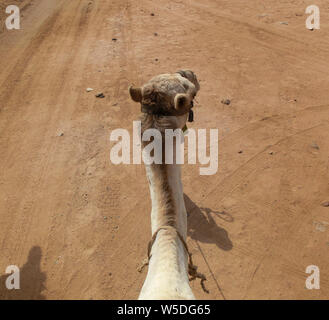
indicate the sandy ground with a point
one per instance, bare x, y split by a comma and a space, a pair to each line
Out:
78, 226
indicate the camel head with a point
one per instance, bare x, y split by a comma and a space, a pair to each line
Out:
168, 97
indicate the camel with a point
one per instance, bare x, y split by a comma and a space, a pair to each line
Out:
166, 102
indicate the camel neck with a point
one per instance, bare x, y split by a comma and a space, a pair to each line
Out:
168, 208
167, 275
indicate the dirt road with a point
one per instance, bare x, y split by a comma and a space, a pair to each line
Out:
78, 226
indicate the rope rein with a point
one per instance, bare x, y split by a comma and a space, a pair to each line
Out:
192, 269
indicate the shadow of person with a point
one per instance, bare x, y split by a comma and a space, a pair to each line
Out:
202, 226
31, 277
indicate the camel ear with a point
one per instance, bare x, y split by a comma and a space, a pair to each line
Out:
181, 101
135, 93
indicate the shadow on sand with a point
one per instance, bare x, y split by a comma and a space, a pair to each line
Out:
203, 227
32, 280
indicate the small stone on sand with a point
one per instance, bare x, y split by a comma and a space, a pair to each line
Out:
226, 101
100, 95
315, 146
